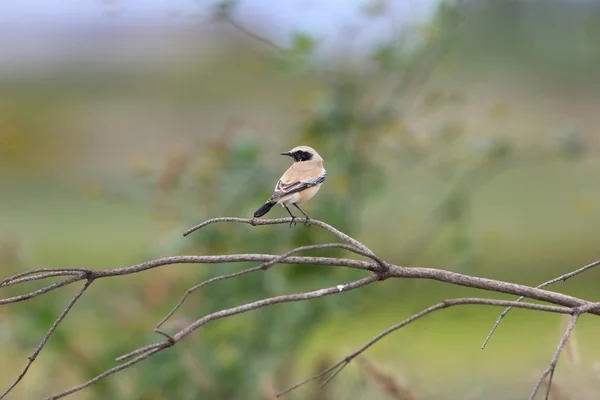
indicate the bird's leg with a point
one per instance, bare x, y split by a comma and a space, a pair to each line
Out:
306, 223
291, 215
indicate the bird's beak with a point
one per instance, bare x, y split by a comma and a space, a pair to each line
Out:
287, 153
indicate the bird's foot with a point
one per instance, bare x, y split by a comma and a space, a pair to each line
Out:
307, 222
293, 221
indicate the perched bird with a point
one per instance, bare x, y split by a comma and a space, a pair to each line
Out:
299, 183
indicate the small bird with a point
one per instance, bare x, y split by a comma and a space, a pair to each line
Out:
299, 183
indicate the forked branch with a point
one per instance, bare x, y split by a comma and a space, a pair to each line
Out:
374, 267
562, 278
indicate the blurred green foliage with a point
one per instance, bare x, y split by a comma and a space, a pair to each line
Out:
408, 154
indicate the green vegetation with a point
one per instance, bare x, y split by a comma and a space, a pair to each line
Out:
442, 157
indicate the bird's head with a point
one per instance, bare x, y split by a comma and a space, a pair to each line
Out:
303, 153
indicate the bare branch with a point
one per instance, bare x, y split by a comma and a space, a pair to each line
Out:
147, 351
378, 269
46, 337
73, 271
43, 290
260, 39
107, 373
488, 284
219, 259
275, 300
554, 361
562, 278
445, 304
277, 221
141, 350
264, 266
38, 277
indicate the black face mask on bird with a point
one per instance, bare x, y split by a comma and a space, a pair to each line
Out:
299, 155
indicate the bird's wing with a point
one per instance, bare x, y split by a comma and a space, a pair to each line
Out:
292, 184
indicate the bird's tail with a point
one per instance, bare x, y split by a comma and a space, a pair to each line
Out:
263, 209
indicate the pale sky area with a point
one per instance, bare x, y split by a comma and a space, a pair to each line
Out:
317, 13
26, 26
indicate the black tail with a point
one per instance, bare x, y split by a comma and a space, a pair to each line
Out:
263, 210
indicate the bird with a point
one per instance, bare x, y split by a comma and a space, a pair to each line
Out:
298, 184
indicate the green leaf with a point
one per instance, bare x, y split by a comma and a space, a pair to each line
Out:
303, 43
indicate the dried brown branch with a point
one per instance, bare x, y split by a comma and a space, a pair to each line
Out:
147, 351
554, 361
56, 271
337, 367
562, 278
43, 290
376, 269
103, 375
263, 267
38, 277
40, 346
277, 221
219, 259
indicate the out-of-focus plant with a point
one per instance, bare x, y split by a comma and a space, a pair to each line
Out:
362, 134
360, 124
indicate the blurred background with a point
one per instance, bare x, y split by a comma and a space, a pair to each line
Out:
460, 135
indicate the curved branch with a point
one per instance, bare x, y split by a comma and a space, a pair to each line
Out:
106, 373
337, 367
32, 278
554, 361
73, 271
152, 349
41, 291
264, 266
379, 269
278, 221
219, 259
489, 285
562, 278
234, 258
40, 346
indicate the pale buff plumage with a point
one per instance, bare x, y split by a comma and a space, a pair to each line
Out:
299, 183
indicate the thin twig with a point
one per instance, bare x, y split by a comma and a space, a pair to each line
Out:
251, 34
109, 372
379, 270
312, 378
219, 259
139, 351
234, 258
147, 351
562, 278
264, 266
554, 361
475, 282
277, 221
41, 270
439, 306
41, 291
334, 374
275, 300
40, 346
44, 275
